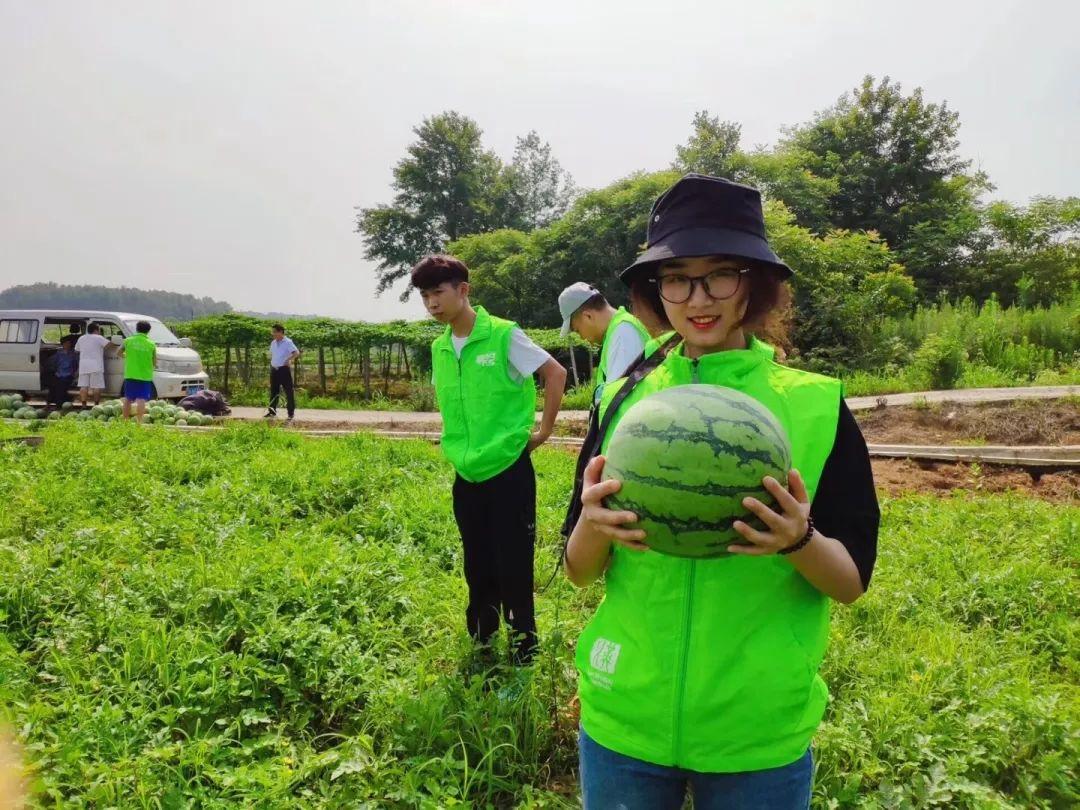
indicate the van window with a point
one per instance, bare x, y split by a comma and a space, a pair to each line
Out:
55, 331
108, 329
18, 331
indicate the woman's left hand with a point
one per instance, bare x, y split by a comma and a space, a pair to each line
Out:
784, 528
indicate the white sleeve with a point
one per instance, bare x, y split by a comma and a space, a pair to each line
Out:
626, 346
525, 356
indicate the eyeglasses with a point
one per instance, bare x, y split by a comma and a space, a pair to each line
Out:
718, 285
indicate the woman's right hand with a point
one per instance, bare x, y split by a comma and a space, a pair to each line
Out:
602, 521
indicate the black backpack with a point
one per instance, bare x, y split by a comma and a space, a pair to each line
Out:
210, 403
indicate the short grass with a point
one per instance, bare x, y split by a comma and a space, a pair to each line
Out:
251, 618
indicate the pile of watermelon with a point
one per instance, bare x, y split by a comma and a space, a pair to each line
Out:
165, 413
13, 407
686, 457
157, 411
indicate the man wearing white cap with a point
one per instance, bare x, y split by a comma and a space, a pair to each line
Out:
620, 335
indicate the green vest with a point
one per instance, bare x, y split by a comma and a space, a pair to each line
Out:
139, 358
711, 665
620, 317
487, 417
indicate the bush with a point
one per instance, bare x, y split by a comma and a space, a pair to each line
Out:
939, 363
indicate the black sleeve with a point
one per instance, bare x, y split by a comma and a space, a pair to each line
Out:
845, 505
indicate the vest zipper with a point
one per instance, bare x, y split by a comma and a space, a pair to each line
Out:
461, 397
693, 372
680, 684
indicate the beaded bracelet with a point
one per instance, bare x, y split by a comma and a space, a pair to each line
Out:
806, 538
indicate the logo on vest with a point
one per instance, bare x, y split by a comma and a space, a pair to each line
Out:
603, 658
485, 359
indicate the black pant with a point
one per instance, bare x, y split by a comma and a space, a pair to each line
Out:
58, 389
497, 521
282, 378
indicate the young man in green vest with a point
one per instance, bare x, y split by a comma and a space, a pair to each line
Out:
620, 335
139, 353
483, 368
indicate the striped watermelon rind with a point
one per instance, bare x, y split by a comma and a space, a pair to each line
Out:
687, 456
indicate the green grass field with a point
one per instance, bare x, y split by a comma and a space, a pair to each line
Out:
250, 618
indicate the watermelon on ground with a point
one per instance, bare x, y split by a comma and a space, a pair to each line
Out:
55, 415
5, 402
687, 457
67, 406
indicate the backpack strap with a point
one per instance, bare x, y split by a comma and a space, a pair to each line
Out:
594, 439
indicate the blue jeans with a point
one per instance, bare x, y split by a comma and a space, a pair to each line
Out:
611, 781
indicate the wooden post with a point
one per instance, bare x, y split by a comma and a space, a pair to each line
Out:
573, 364
247, 364
592, 368
228, 359
322, 370
366, 361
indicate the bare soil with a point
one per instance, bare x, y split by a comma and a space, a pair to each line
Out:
1025, 422
895, 477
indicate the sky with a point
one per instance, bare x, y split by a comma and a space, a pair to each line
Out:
222, 148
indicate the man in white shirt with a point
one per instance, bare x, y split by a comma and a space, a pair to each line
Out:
91, 349
283, 353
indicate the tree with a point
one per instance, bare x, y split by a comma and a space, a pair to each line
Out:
449, 186
1034, 253
713, 148
895, 161
156, 303
538, 189
523, 274
444, 189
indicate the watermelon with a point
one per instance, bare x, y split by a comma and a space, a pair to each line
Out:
67, 406
686, 457
5, 413
181, 422
56, 415
5, 403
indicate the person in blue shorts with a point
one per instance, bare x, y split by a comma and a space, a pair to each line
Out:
139, 353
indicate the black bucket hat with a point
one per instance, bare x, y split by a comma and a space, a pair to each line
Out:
706, 216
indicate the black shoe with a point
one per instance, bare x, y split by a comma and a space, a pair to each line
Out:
270, 415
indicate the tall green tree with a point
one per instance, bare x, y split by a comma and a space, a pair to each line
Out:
713, 148
895, 160
445, 188
538, 190
449, 186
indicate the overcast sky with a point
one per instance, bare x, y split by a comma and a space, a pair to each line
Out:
219, 148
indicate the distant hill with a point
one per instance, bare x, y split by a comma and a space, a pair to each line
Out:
157, 303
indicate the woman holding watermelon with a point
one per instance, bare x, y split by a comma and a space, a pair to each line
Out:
701, 674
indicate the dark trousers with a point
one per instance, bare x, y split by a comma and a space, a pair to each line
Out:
58, 389
282, 378
497, 521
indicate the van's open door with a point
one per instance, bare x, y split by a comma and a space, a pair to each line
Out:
19, 359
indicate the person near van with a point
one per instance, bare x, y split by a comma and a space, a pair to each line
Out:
62, 367
620, 335
283, 354
91, 349
483, 368
702, 674
139, 353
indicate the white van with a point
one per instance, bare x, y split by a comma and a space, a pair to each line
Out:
29, 337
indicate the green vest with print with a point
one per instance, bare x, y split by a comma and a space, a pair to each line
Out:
139, 358
711, 664
487, 416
